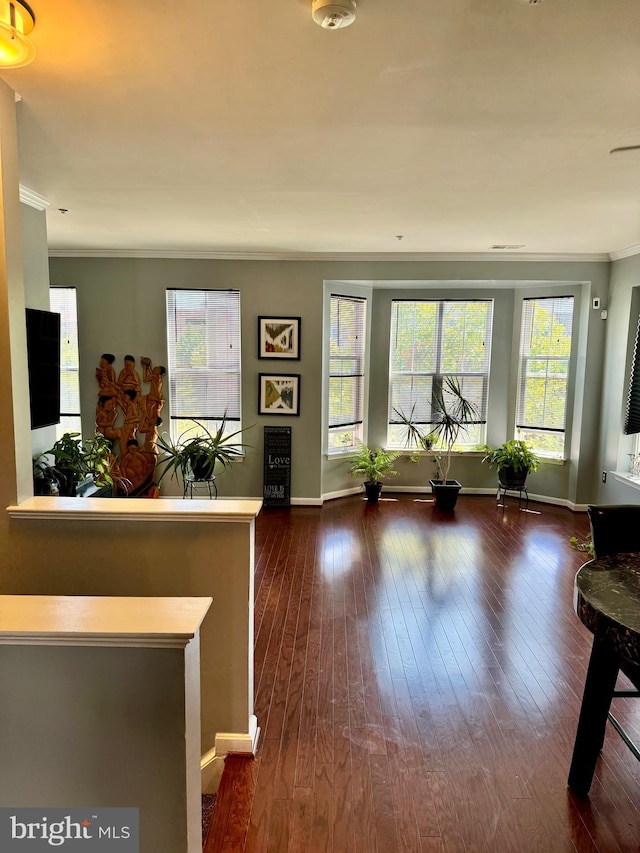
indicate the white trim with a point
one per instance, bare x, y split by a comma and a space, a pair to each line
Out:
33, 199
212, 762
245, 743
126, 509
306, 501
625, 253
342, 493
595, 257
626, 478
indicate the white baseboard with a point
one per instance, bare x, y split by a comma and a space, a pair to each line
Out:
306, 501
239, 743
343, 493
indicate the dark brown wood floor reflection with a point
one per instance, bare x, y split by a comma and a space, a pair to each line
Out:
418, 680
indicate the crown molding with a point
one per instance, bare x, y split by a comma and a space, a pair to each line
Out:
331, 256
33, 199
625, 253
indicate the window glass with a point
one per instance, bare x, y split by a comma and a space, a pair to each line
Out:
346, 372
203, 336
545, 352
63, 301
431, 339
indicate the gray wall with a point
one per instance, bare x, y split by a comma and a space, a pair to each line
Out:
121, 309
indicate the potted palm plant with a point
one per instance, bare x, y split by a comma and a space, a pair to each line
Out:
513, 461
373, 465
197, 451
452, 414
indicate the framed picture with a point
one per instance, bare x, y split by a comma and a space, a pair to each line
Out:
279, 394
279, 337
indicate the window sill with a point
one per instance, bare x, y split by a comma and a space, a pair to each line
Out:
626, 478
341, 454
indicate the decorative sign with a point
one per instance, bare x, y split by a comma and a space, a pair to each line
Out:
276, 490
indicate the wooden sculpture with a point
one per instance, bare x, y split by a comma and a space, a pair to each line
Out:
123, 414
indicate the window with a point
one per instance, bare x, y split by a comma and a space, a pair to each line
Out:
62, 300
431, 339
203, 336
346, 372
545, 350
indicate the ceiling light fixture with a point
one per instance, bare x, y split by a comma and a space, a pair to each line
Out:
333, 14
16, 22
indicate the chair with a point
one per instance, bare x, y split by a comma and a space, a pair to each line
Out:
616, 530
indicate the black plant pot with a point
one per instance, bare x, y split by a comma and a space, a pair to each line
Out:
66, 482
511, 479
446, 494
373, 492
202, 469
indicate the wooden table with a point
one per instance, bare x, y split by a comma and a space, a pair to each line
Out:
607, 601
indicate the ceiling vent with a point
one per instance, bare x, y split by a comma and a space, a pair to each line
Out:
333, 14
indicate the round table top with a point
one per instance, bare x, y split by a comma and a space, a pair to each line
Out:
607, 600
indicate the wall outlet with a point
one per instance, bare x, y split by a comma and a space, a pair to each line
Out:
604, 476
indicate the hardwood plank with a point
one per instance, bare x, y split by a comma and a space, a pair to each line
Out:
418, 681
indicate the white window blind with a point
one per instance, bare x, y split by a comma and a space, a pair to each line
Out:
545, 352
62, 300
203, 336
346, 372
431, 339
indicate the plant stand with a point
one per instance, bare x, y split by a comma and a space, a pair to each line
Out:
521, 489
210, 484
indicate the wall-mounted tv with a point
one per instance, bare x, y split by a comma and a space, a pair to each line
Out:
43, 350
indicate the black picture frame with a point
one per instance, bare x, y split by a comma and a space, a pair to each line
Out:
279, 337
279, 394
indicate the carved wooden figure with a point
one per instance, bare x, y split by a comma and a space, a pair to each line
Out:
122, 413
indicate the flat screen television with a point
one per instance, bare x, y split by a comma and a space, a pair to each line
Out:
43, 351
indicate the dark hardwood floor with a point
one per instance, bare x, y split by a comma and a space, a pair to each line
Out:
418, 680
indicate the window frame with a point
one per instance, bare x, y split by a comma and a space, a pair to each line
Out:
69, 421
521, 429
355, 419
438, 374
214, 367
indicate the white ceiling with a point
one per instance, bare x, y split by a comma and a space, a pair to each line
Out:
240, 126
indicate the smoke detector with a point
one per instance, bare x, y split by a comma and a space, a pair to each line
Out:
332, 14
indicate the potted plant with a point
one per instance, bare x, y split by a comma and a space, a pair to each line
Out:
69, 463
46, 480
374, 466
513, 461
76, 460
197, 451
452, 413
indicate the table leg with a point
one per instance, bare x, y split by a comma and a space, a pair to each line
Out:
596, 701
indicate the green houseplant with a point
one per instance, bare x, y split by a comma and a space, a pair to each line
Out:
197, 451
373, 466
75, 460
46, 480
452, 413
513, 461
